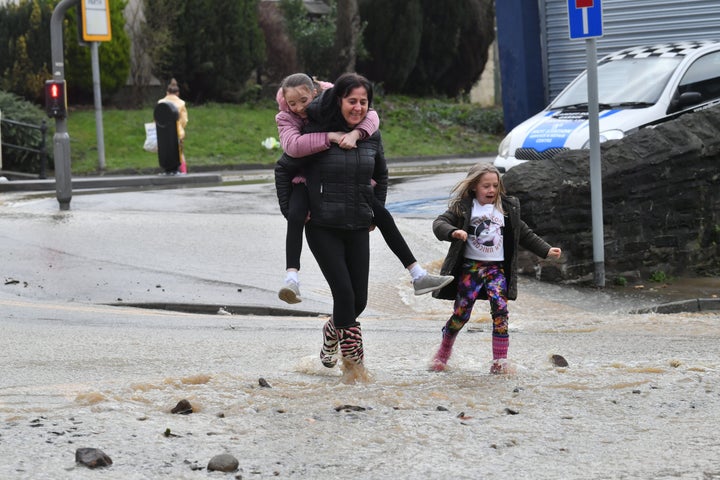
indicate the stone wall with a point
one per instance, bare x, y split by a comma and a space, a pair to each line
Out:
661, 203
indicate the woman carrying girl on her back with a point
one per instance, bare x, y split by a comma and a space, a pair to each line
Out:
293, 97
341, 192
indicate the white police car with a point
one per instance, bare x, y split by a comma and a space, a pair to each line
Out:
637, 87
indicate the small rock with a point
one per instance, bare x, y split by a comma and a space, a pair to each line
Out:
559, 361
350, 408
440, 408
263, 383
92, 458
223, 463
511, 411
183, 408
36, 423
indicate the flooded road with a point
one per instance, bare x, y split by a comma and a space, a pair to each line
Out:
639, 398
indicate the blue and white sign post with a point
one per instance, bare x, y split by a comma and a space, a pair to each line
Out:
585, 21
585, 18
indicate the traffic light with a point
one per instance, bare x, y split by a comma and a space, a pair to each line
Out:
55, 99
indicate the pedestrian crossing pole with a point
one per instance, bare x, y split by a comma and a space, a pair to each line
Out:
61, 139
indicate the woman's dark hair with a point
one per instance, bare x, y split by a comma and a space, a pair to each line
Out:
347, 82
173, 87
325, 109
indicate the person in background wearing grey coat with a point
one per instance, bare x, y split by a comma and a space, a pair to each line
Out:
485, 229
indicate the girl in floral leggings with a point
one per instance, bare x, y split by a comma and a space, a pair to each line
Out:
485, 230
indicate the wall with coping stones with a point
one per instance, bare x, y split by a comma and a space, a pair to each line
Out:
661, 203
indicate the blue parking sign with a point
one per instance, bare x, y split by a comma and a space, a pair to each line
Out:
585, 18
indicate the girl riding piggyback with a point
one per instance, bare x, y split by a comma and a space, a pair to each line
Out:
296, 92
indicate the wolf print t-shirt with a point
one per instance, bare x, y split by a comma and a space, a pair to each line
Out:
485, 235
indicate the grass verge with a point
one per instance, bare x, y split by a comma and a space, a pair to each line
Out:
227, 136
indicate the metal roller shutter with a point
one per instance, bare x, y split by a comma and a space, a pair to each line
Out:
625, 24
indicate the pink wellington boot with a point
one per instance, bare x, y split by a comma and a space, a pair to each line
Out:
440, 360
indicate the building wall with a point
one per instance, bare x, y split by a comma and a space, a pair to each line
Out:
486, 91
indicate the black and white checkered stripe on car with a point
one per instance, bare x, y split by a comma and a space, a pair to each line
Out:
661, 50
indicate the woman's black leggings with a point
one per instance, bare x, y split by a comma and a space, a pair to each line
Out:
394, 239
344, 259
298, 206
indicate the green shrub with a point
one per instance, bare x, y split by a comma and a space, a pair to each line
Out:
392, 39
313, 38
25, 47
17, 109
659, 277
113, 57
216, 46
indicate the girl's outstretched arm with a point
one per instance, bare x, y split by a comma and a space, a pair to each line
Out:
294, 142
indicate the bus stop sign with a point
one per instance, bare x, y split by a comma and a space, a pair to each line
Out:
585, 18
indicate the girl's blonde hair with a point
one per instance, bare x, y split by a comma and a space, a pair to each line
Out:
466, 187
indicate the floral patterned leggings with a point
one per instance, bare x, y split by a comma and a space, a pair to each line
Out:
476, 275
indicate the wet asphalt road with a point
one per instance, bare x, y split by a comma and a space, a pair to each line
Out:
206, 248
80, 358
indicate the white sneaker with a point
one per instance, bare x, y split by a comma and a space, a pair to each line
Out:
429, 283
290, 293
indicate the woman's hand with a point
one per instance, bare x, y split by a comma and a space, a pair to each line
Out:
554, 252
349, 140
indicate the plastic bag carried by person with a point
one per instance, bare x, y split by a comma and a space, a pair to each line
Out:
150, 137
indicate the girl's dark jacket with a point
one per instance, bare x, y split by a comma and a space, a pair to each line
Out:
516, 232
338, 180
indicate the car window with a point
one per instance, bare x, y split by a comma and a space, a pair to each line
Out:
626, 80
703, 77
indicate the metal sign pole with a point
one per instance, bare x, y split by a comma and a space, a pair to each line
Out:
585, 21
595, 164
100, 134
